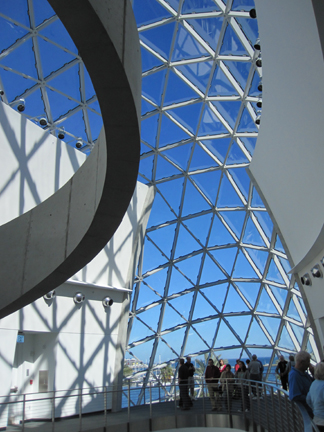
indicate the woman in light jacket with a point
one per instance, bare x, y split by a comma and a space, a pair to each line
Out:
315, 396
227, 382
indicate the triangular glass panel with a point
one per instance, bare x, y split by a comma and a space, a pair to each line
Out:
201, 159
197, 73
188, 116
219, 147
252, 235
9, 33
254, 85
34, 105
153, 86
271, 324
236, 156
194, 342
190, 267
240, 71
180, 154
250, 28
216, 295
163, 238
186, 46
235, 220
42, 11
231, 43
175, 339
208, 28
193, 201
172, 192
139, 331
225, 257
96, 123
256, 199
211, 272
170, 318
208, 183
147, 12
228, 196
286, 266
250, 290
152, 257
265, 303
146, 107
171, 133
178, 282
157, 281
302, 304
219, 234
149, 61
177, 90
89, 89
247, 124
274, 274
149, 129
292, 311
234, 303
164, 168
278, 246
220, 85
259, 258
68, 82
285, 340
58, 33
240, 324
75, 123
280, 295
242, 5
265, 222
142, 352
185, 243
52, 57
249, 144
310, 350
159, 38
202, 308
195, 6
243, 268
183, 304
146, 166
22, 59
174, 4
242, 180
256, 335
18, 13
225, 337
206, 330
210, 124
160, 212
229, 110
199, 226
146, 296
164, 353
298, 332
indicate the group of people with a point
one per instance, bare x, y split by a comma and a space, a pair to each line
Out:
283, 368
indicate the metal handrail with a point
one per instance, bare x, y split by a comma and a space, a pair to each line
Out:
261, 403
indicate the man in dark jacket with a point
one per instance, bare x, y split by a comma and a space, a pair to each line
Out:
281, 370
211, 376
183, 375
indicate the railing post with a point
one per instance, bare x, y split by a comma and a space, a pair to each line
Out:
150, 400
273, 410
267, 409
53, 412
105, 404
80, 408
159, 392
23, 413
128, 405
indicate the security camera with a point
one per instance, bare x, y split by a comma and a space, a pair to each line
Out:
258, 120
1, 92
259, 103
107, 301
78, 298
306, 280
61, 134
257, 45
21, 105
316, 271
78, 144
252, 13
259, 62
260, 86
43, 121
50, 295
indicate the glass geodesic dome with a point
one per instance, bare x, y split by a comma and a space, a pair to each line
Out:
213, 276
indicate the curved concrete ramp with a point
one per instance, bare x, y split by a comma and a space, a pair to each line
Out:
45, 246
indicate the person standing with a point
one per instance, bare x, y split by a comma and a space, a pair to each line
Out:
255, 371
299, 380
242, 376
211, 376
183, 375
191, 381
222, 366
227, 381
315, 396
281, 370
